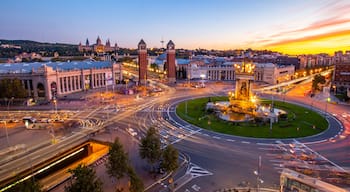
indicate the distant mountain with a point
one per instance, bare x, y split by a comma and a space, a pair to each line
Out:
32, 43
45, 49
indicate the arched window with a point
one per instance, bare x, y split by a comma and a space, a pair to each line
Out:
41, 90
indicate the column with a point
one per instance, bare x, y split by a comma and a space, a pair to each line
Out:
92, 80
65, 87
61, 85
28, 86
72, 82
68, 83
82, 81
98, 80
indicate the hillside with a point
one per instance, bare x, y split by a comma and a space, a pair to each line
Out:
45, 49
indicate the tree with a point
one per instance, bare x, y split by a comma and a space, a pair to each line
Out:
84, 180
29, 185
154, 66
318, 79
135, 183
170, 158
12, 88
117, 163
150, 147
170, 162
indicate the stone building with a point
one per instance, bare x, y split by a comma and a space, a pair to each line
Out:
46, 81
98, 48
143, 62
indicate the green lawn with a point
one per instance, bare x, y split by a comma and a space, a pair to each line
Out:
309, 122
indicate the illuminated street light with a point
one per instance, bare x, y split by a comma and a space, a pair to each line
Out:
55, 105
7, 135
253, 99
126, 83
327, 101
257, 173
8, 106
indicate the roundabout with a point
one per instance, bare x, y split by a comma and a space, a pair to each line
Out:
297, 122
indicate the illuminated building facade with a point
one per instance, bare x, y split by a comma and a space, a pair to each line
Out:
46, 81
341, 75
98, 48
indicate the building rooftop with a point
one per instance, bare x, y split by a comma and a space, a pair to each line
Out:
60, 66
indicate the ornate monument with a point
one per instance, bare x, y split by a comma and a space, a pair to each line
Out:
242, 104
243, 100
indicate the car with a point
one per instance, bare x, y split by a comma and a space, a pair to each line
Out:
132, 132
59, 120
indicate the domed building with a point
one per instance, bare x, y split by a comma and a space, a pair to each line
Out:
98, 48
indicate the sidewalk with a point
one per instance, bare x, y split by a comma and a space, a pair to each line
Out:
322, 96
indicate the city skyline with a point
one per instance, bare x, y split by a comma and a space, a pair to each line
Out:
291, 27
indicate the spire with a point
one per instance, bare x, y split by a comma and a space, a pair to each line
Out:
170, 45
98, 41
87, 42
108, 43
142, 44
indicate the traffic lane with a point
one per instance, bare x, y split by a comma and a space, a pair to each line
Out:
334, 129
25, 136
234, 160
337, 151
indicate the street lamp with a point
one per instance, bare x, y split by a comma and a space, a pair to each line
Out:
8, 106
7, 135
257, 173
202, 77
328, 100
126, 83
55, 105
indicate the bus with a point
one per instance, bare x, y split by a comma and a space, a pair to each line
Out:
29, 120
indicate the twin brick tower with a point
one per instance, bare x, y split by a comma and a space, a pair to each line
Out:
169, 65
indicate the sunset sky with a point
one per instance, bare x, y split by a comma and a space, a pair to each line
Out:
288, 26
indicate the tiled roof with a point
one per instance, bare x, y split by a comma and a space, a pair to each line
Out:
65, 66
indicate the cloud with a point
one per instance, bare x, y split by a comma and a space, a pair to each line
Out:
333, 22
311, 38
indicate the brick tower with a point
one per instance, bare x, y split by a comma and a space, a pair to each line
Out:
170, 62
142, 62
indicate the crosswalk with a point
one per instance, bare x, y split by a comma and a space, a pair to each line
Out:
299, 157
196, 171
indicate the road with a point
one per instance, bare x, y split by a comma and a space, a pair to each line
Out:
231, 160
215, 161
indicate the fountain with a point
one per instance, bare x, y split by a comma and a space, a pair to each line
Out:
242, 104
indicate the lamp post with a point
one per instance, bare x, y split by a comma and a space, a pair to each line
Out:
328, 100
257, 173
202, 77
312, 103
8, 106
7, 135
126, 83
55, 105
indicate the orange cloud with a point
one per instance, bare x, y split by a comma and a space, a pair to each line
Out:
325, 43
325, 34
311, 38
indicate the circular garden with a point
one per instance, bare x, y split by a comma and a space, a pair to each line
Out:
299, 121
